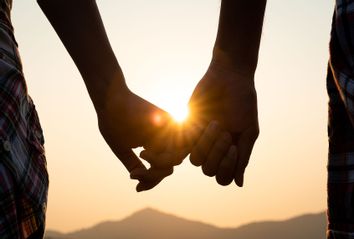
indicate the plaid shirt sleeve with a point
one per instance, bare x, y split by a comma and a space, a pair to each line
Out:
340, 87
23, 174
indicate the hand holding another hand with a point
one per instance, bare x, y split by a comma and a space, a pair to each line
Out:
224, 100
228, 96
127, 121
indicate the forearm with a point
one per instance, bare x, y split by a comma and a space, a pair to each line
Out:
80, 28
239, 33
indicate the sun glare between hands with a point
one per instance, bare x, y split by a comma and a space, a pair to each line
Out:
178, 110
179, 113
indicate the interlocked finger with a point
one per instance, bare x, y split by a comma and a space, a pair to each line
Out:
216, 154
201, 149
226, 171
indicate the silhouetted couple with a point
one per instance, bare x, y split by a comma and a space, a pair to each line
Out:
219, 135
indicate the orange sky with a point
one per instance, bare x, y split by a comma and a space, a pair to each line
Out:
164, 48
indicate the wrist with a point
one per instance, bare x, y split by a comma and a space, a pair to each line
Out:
233, 61
105, 88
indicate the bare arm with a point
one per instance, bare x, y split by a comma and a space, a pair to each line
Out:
226, 93
125, 120
79, 26
239, 33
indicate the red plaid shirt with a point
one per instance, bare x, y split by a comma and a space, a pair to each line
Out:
23, 174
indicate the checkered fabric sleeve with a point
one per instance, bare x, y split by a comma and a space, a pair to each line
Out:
23, 173
340, 87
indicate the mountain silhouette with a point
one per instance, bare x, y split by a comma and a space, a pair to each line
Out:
153, 224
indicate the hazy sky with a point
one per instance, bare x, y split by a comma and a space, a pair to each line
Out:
164, 48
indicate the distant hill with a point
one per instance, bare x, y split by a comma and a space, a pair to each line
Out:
152, 224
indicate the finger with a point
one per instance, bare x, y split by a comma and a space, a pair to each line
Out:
174, 159
149, 156
175, 138
138, 173
245, 146
150, 178
216, 154
187, 135
204, 144
147, 179
226, 170
165, 159
129, 159
196, 131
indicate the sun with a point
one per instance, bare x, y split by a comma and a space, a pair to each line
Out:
174, 101
179, 113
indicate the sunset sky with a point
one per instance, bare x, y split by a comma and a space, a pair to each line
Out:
164, 48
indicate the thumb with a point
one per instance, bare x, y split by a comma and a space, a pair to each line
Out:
165, 159
149, 178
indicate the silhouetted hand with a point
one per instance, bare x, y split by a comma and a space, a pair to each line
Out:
128, 121
177, 142
228, 96
180, 144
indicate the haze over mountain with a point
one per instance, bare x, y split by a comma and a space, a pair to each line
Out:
153, 224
